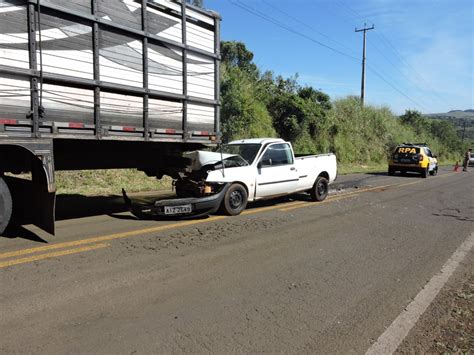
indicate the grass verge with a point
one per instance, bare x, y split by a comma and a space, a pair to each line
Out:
107, 182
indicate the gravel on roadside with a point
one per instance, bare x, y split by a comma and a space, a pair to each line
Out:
447, 326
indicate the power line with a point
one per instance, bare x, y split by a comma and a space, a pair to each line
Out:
285, 27
349, 9
385, 40
282, 25
414, 85
306, 25
394, 87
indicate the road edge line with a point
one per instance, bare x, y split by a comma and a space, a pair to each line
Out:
389, 341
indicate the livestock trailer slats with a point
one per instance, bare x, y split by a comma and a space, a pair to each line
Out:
85, 67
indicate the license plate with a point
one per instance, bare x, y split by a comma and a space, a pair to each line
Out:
178, 209
406, 160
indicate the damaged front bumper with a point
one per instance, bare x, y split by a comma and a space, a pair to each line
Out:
178, 208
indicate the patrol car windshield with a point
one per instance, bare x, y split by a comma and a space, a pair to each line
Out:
246, 151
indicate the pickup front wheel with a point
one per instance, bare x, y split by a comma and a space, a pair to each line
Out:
319, 191
235, 200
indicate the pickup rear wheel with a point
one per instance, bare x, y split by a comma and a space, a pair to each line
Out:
319, 191
5, 205
235, 200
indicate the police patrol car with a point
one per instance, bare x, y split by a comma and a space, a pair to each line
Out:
416, 157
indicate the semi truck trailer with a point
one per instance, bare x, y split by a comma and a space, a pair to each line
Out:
100, 84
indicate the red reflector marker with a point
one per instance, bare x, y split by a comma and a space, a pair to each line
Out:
128, 129
75, 125
8, 121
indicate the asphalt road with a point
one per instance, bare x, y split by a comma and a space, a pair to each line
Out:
286, 276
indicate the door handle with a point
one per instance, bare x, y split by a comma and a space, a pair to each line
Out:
293, 168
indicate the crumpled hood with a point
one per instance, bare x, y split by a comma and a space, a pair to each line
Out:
200, 158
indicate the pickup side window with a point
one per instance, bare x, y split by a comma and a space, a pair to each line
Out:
428, 152
277, 154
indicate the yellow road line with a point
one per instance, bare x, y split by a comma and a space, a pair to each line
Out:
30, 259
308, 204
268, 208
185, 223
107, 237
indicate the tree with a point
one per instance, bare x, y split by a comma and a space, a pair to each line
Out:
446, 133
287, 111
415, 120
243, 112
236, 55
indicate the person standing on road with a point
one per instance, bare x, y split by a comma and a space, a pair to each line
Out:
467, 157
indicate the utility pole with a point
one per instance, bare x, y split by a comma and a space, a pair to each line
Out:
463, 131
362, 86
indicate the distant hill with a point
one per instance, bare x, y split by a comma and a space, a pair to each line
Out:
461, 119
454, 114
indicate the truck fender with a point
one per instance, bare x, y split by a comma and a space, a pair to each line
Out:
33, 200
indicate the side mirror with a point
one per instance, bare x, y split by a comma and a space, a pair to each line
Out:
259, 165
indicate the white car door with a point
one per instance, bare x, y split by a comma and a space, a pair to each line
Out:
276, 172
431, 159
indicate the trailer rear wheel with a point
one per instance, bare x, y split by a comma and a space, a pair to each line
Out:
5, 205
235, 200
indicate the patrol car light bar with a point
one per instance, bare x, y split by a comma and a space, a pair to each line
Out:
420, 144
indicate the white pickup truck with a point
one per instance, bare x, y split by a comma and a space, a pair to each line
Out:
244, 171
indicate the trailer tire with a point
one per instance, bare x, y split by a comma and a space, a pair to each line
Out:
319, 191
5, 206
235, 200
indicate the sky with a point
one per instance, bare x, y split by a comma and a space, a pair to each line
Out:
419, 56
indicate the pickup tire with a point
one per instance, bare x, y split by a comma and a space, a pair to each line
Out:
235, 200
434, 172
319, 191
5, 206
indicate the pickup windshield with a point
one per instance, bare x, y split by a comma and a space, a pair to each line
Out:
246, 151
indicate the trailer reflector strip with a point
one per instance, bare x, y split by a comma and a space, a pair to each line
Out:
168, 131
125, 129
75, 125
72, 125
8, 121
201, 133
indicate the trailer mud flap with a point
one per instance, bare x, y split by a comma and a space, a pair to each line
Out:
32, 203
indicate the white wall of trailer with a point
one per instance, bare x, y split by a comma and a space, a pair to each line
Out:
67, 51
